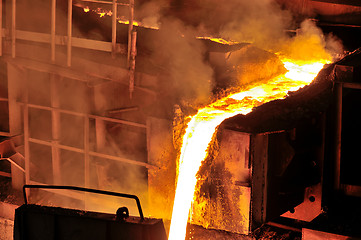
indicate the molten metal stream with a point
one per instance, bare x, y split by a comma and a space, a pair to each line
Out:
203, 125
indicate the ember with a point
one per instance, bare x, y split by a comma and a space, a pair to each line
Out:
120, 19
204, 124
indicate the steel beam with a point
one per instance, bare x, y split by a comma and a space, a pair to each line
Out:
70, 31
91, 153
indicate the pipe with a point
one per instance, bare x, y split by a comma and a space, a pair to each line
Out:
133, 53
26, 131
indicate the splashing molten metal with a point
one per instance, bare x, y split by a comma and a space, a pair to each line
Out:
203, 125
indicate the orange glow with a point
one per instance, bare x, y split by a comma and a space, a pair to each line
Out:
135, 23
203, 125
219, 40
102, 12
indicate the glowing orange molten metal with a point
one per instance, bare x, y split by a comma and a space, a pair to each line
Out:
102, 12
203, 125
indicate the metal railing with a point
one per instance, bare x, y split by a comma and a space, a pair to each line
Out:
13, 34
53, 39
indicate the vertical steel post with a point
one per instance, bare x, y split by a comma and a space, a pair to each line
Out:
86, 158
130, 29
26, 130
132, 35
55, 129
114, 27
13, 28
338, 130
53, 29
70, 25
86, 151
133, 53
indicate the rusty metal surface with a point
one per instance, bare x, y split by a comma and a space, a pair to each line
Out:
40, 222
259, 149
223, 193
344, 73
309, 234
310, 208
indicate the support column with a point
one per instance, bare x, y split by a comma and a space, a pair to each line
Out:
100, 107
130, 28
100, 132
133, 53
55, 128
26, 131
338, 130
70, 31
114, 27
132, 39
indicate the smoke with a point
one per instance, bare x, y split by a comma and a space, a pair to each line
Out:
150, 12
310, 44
185, 77
264, 23
182, 57
261, 22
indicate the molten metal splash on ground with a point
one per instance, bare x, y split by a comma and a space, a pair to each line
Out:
203, 125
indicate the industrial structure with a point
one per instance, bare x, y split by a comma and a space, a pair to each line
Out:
87, 99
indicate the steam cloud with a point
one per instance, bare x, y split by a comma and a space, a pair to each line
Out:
181, 55
311, 44
261, 22
151, 12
